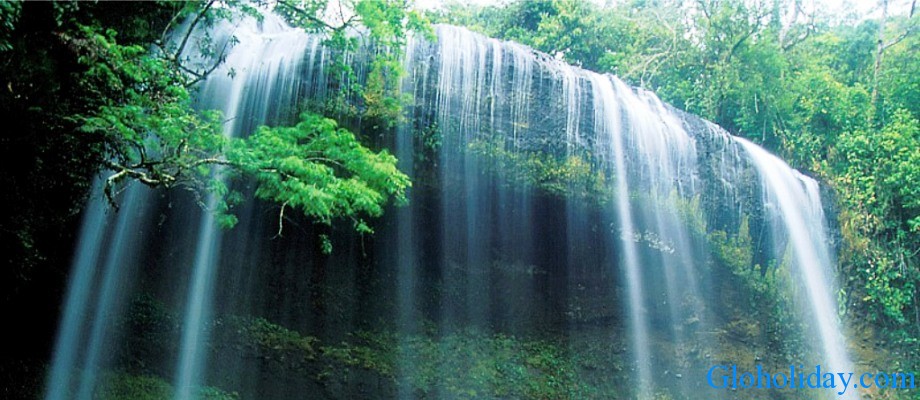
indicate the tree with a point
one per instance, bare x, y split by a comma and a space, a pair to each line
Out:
878, 176
152, 134
883, 43
895, 84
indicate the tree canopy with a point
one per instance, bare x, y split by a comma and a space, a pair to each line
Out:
149, 131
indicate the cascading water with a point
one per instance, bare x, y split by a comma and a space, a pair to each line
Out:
489, 240
263, 67
800, 217
94, 299
608, 121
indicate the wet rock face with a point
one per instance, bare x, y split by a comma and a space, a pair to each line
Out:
474, 88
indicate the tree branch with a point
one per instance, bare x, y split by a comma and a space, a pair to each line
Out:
318, 21
281, 219
904, 35
907, 32
214, 161
191, 28
306, 15
169, 26
122, 172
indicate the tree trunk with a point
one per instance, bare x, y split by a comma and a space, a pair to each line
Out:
879, 52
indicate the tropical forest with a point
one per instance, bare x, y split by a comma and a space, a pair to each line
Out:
443, 199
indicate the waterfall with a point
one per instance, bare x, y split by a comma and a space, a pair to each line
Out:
96, 298
264, 65
502, 232
796, 201
83, 332
608, 119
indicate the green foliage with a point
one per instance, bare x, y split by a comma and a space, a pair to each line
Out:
147, 314
469, 364
457, 364
153, 135
824, 108
766, 310
151, 132
898, 86
736, 250
260, 333
9, 14
568, 29
566, 176
387, 25
124, 386
877, 177
320, 169
690, 212
389, 21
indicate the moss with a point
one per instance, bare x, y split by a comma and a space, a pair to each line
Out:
372, 351
472, 364
260, 333
765, 297
735, 251
119, 385
571, 175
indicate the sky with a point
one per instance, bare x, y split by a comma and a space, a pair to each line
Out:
837, 7
866, 6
